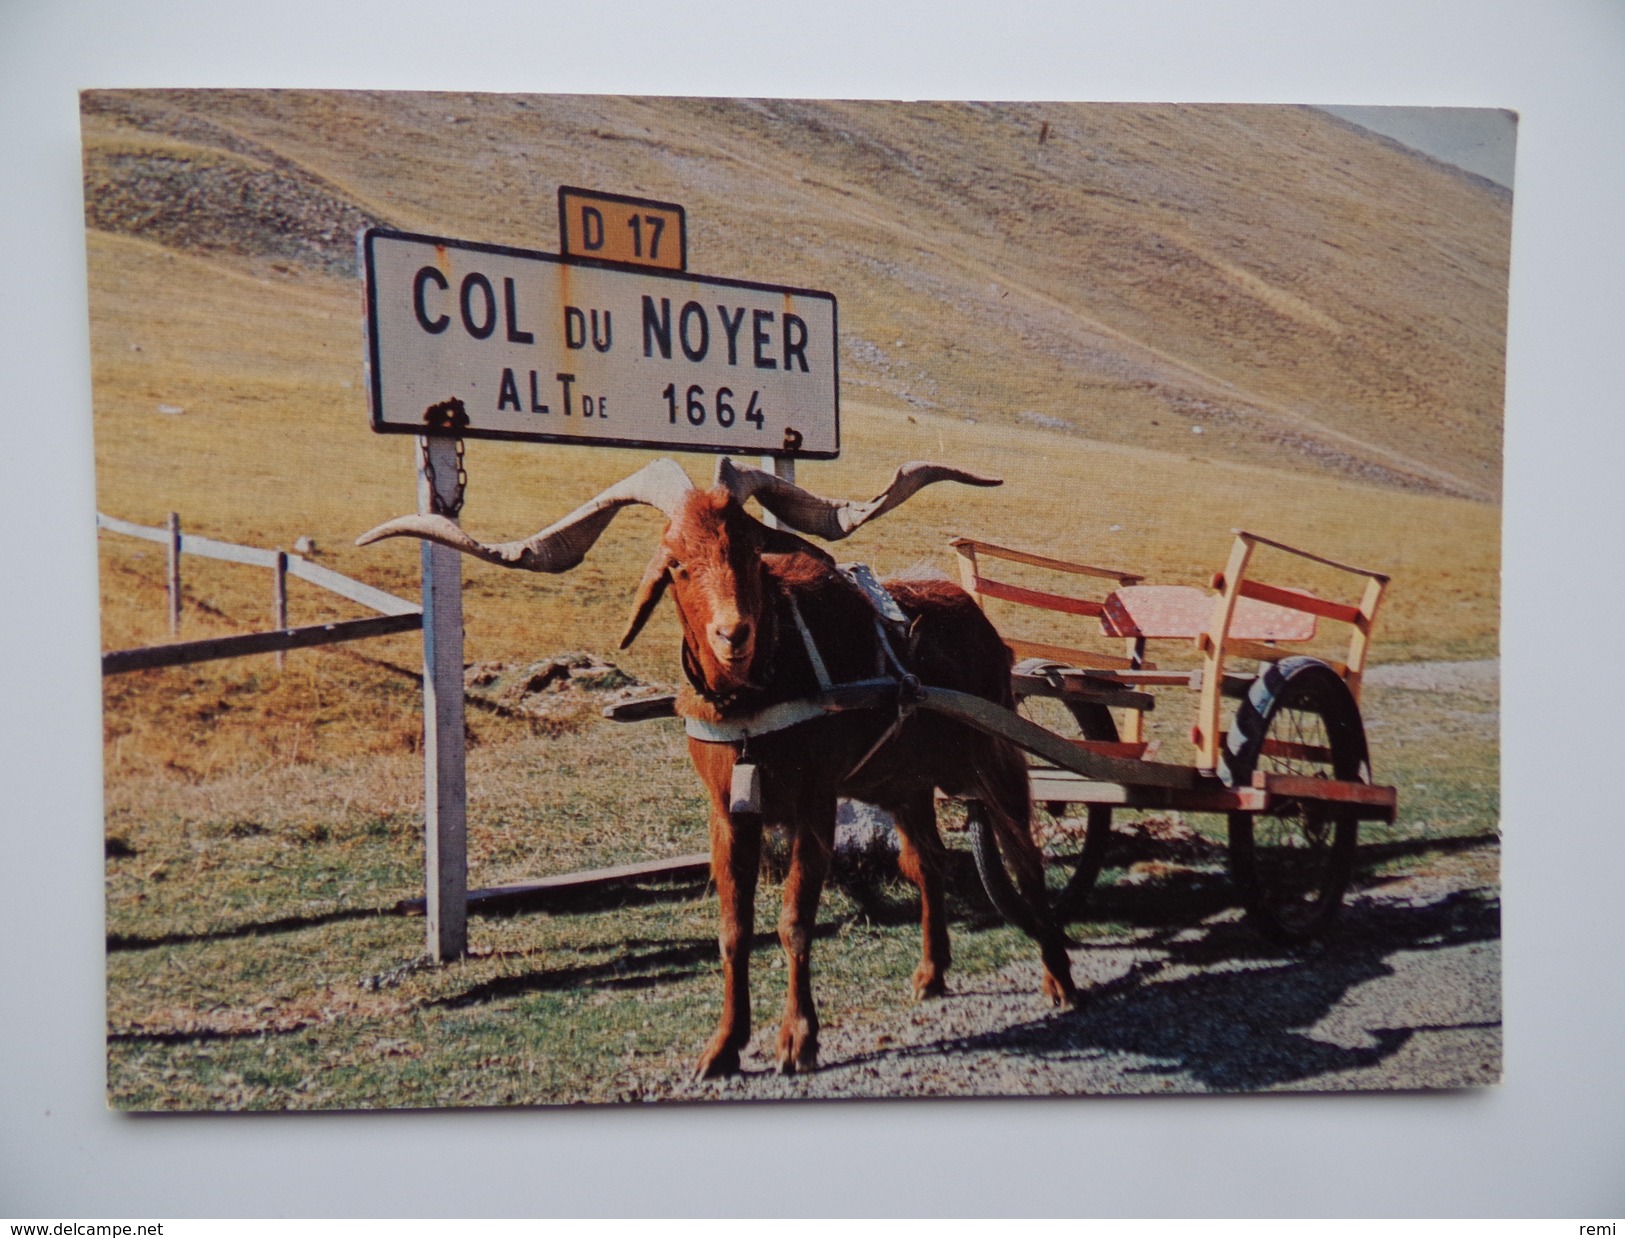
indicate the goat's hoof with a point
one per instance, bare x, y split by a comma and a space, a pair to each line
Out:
798, 1049
929, 984
718, 1062
1062, 994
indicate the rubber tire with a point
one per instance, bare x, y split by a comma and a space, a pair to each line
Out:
1094, 722
1294, 906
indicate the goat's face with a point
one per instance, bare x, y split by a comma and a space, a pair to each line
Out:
710, 557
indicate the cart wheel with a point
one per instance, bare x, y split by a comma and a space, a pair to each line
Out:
1095, 722
1293, 864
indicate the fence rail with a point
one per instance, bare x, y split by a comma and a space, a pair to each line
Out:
183, 653
394, 614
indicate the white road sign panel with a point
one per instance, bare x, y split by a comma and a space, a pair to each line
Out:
537, 347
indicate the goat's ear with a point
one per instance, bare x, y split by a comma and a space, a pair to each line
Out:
650, 590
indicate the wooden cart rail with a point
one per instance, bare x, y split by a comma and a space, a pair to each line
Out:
1089, 776
1216, 643
972, 550
1354, 799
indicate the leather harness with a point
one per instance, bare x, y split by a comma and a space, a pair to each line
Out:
890, 622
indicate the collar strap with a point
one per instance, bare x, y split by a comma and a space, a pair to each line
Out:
879, 693
763, 722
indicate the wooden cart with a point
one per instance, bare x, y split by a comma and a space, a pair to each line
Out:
1287, 763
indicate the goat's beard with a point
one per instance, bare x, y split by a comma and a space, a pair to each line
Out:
717, 681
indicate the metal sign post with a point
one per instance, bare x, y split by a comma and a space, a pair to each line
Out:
445, 835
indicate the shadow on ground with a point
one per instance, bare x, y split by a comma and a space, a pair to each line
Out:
609, 898
1227, 1011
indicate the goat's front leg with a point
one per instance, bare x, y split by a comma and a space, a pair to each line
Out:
814, 835
736, 855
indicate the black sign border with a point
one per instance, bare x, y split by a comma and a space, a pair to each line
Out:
374, 379
625, 200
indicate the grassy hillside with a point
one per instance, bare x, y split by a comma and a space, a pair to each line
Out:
1306, 295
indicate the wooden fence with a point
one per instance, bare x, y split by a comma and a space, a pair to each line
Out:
394, 614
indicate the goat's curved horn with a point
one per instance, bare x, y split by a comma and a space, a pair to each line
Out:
833, 519
562, 545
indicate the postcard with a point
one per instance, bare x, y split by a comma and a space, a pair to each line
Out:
628, 599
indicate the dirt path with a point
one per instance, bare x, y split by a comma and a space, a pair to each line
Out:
1408, 994
1479, 680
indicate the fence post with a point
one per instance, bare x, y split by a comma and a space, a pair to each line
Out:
779, 466
174, 525
444, 803
279, 600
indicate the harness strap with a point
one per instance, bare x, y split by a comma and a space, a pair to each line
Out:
813, 656
884, 604
762, 722
887, 652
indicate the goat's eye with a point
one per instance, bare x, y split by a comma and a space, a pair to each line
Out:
680, 570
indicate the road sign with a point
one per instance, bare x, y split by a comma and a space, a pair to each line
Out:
537, 346
612, 227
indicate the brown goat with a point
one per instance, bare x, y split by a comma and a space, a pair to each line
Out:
759, 607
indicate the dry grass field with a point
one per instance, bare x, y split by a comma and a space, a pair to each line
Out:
1157, 324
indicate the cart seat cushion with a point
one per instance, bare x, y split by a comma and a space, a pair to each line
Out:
1183, 611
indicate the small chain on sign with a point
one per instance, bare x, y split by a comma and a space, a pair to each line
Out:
448, 414
438, 505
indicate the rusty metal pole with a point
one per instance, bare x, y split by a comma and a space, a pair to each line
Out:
174, 524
